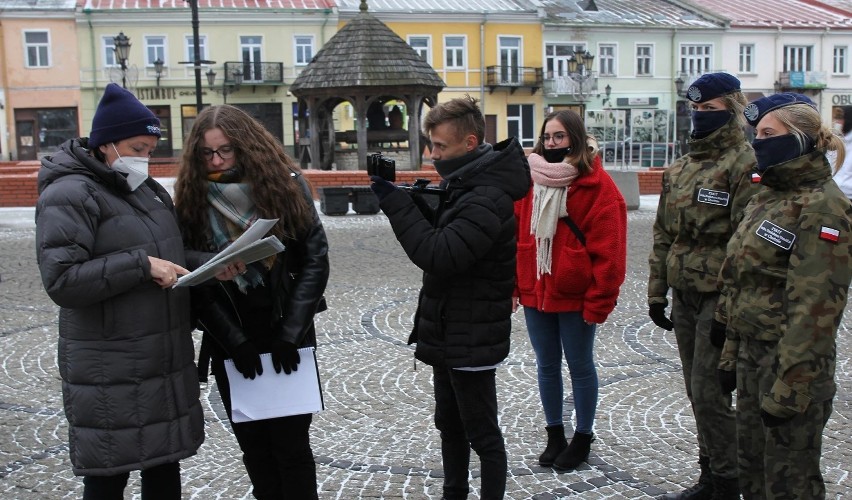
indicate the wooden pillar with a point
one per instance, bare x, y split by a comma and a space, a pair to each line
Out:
313, 120
414, 147
361, 130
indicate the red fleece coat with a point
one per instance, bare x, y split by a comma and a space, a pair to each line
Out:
585, 279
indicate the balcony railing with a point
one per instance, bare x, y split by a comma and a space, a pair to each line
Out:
255, 73
514, 77
579, 86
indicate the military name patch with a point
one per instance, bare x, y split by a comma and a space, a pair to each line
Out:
829, 234
776, 235
713, 197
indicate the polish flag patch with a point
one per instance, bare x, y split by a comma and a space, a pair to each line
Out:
829, 234
755, 178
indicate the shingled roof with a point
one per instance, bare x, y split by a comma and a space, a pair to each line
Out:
366, 53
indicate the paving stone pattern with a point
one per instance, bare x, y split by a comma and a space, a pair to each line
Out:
376, 438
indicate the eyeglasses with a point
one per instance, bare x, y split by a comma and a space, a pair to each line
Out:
225, 153
557, 138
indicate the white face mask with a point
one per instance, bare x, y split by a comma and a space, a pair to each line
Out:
136, 168
838, 127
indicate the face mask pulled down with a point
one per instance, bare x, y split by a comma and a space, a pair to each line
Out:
136, 168
555, 155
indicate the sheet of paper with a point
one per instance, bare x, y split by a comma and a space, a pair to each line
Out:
275, 394
249, 247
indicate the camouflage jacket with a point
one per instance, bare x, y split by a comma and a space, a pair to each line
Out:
786, 277
703, 195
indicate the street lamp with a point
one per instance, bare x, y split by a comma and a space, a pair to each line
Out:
237, 75
607, 93
158, 68
580, 73
122, 50
682, 116
679, 86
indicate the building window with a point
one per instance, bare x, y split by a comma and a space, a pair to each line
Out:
108, 45
644, 60
423, 46
304, 49
190, 48
556, 57
455, 50
37, 49
521, 123
606, 59
695, 59
509, 48
250, 52
155, 48
746, 58
840, 64
798, 58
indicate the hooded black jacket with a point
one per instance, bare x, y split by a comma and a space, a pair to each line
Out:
467, 256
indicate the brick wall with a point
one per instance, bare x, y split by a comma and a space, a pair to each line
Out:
18, 179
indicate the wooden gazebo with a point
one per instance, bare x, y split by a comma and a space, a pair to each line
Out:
365, 64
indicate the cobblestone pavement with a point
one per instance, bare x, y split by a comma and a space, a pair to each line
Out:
376, 438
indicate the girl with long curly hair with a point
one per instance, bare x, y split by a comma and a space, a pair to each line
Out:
233, 172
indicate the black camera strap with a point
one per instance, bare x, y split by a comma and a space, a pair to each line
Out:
574, 229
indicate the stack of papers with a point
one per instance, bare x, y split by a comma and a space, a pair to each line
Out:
249, 247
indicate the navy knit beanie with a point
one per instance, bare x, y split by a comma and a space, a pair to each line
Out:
120, 116
755, 111
712, 85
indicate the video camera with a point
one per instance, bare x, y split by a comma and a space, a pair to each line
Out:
384, 167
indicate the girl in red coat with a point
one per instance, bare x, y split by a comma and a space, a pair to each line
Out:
572, 249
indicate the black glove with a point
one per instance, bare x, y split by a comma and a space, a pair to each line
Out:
285, 355
727, 380
247, 360
381, 187
657, 312
770, 420
717, 333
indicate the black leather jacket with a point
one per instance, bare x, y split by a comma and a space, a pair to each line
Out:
297, 281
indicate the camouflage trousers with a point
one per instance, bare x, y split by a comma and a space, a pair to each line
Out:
715, 420
778, 462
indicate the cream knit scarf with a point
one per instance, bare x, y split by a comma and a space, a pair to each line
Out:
550, 193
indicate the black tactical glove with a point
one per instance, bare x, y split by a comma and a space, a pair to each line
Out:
727, 380
381, 188
717, 333
770, 420
657, 312
285, 355
247, 360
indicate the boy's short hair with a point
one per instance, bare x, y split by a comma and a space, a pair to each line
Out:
462, 113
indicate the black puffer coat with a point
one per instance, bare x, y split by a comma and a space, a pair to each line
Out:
129, 382
467, 256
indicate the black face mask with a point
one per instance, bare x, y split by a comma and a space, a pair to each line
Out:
705, 123
779, 149
555, 155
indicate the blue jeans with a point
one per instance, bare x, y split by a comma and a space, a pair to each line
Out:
466, 416
551, 334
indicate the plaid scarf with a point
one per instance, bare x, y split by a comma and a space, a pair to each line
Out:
231, 212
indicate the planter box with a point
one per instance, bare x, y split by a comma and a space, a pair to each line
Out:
334, 200
364, 201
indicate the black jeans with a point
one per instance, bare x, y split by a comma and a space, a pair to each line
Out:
466, 416
158, 483
276, 452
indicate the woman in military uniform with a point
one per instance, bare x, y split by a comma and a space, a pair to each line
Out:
784, 287
703, 196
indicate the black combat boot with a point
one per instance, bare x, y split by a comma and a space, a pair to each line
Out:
725, 489
556, 442
576, 453
703, 490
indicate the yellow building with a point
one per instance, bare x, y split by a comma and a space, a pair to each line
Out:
490, 50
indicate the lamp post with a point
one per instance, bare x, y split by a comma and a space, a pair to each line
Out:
607, 93
579, 72
158, 68
122, 50
193, 5
237, 75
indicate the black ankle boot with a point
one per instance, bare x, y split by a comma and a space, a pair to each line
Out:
556, 442
576, 453
725, 488
702, 490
